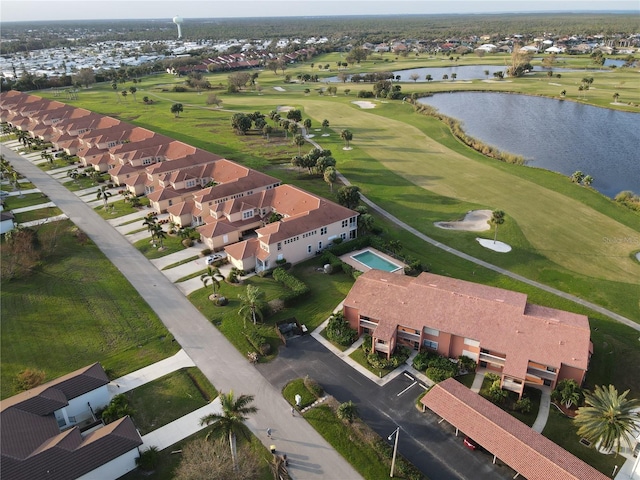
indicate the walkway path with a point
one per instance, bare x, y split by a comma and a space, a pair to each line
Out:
225, 367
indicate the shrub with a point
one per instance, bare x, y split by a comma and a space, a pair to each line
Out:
496, 394
421, 361
118, 407
313, 387
366, 344
221, 301
205, 252
399, 356
346, 268
492, 376
438, 374
29, 378
179, 88
376, 361
149, 459
523, 405
297, 287
466, 364
338, 330
258, 341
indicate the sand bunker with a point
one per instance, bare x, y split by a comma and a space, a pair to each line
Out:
474, 221
283, 108
279, 89
363, 104
495, 246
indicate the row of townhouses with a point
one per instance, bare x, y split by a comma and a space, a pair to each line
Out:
249, 214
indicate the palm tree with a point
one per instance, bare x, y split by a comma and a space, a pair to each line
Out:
299, 141
330, 175
150, 221
253, 304
587, 180
609, 419
231, 421
214, 276
568, 392
159, 234
325, 125
347, 411
615, 97
497, 218
577, 176
104, 193
307, 124
347, 136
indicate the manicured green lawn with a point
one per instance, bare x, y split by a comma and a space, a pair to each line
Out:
359, 356
16, 201
120, 209
171, 244
166, 399
77, 310
296, 387
39, 214
561, 430
312, 310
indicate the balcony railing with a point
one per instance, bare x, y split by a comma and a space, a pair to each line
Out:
512, 386
536, 372
487, 357
381, 347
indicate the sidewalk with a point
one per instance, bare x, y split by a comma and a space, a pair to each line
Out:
179, 429
152, 372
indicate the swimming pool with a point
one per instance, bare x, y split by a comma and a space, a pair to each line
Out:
373, 260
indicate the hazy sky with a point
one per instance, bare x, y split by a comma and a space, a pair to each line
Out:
25, 10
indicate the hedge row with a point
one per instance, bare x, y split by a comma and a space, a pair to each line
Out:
258, 341
296, 287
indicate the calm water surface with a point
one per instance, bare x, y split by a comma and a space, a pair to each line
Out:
562, 136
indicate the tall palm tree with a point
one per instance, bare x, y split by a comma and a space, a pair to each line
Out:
214, 276
231, 421
347, 411
253, 304
104, 194
330, 176
497, 218
609, 419
159, 234
299, 141
347, 136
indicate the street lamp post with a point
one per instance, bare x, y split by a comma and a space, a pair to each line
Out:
396, 432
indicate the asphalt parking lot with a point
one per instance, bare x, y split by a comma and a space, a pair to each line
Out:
430, 446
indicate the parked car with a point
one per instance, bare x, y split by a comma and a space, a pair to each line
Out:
214, 258
470, 444
3, 193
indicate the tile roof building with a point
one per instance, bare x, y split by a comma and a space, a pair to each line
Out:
51, 431
529, 453
228, 202
499, 329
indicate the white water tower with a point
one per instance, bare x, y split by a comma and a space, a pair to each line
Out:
178, 20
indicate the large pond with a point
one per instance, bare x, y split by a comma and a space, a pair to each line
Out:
562, 136
465, 72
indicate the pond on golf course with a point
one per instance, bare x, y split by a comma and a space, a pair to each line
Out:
562, 136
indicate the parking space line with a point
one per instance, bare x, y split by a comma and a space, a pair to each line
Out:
406, 389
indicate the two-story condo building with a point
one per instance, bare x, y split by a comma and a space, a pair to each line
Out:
499, 329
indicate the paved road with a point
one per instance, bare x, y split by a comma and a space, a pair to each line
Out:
430, 446
311, 457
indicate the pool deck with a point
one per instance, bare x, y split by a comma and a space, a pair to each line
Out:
347, 258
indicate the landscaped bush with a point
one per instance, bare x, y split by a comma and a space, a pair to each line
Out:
296, 287
523, 405
205, 252
149, 459
346, 247
438, 374
313, 386
348, 269
258, 341
466, 364
118, 407
338, 330
421, 361
399, 356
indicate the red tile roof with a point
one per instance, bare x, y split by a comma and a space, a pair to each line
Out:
526, 451
501, 320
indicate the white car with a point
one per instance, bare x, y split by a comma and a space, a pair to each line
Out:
214, 258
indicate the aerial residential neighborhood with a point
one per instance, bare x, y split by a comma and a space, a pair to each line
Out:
268, 247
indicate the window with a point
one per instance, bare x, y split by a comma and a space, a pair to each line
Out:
551, 369
430, 344
345, 223
319, 245
308, 248
279, 245
431, 331
323, 231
